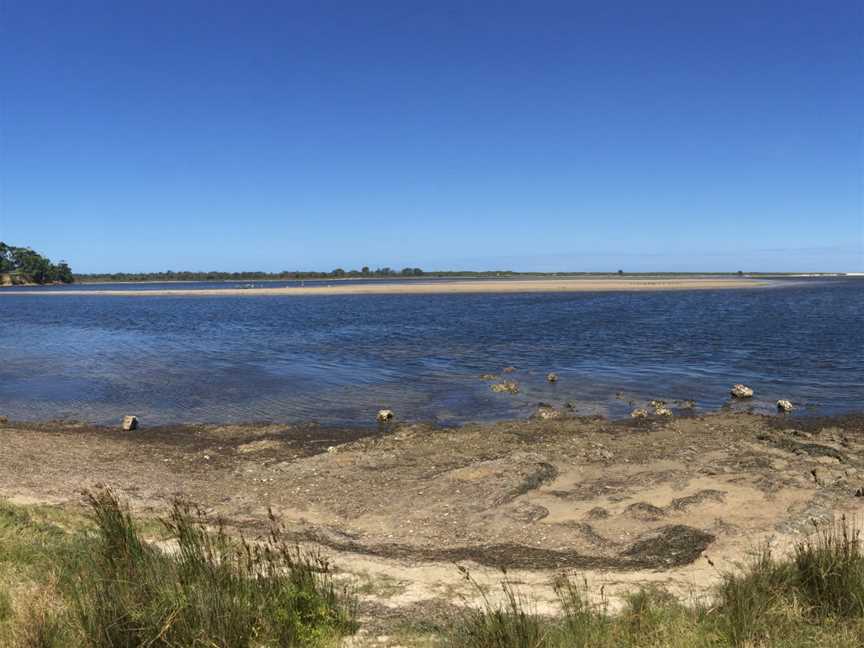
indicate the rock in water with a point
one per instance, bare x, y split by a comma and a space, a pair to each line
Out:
741, 391
385, 415
552, 377
662, 411
639, 413
544, 412
507, 386
785, 405
130, 423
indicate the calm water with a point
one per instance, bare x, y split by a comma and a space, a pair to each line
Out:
337, 359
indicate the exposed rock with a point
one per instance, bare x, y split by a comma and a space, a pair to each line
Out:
552, 377
331, 449
639, 413
741, 391
656, 404
785, 405
687, 404
3, 420
663, 411
130, 423
506, 386
384, 415
545, 412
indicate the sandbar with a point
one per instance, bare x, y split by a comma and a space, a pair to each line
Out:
431, 287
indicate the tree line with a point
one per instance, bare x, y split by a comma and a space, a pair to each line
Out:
32, 267
337, 273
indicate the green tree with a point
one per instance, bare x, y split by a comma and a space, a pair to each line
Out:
64, 273
32, 265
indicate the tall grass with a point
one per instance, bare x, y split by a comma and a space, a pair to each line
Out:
203, 588
813, 598
211, 591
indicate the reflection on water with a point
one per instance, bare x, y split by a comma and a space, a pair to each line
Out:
337, 359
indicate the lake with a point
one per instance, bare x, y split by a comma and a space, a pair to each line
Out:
338, 359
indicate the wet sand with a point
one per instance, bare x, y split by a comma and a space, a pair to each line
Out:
432, 287
621, 502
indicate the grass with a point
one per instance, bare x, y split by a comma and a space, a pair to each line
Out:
813, 598
104, 586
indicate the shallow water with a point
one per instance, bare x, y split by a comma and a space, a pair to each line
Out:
337, 359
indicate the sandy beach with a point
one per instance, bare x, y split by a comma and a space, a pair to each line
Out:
429, 288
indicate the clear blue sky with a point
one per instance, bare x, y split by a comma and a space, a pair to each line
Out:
526, 135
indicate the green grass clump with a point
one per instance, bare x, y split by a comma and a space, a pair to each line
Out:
814, 598
107, 587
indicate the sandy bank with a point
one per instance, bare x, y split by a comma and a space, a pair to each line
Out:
621, 502
435, 287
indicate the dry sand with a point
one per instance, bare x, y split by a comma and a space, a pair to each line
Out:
432, 287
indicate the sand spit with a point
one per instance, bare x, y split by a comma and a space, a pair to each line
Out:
621, 503
428, 288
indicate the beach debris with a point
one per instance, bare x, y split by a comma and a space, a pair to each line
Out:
645, 511
552, 377
599, 452
597, 513
639, 412
785, 405
506, 386
384, 415
488, 377
741, 391
527, 512
509, 369
130, 423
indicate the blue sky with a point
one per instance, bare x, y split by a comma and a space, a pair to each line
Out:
524, 135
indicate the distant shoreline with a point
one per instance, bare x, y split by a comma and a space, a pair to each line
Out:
434, 287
